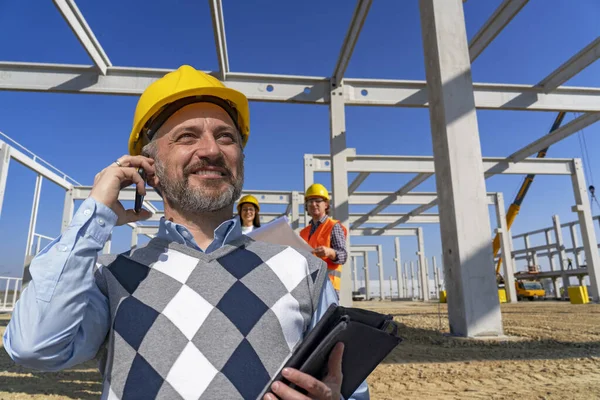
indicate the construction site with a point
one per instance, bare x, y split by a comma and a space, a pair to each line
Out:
491, 313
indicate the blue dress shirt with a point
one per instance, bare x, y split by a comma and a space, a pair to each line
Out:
62, 318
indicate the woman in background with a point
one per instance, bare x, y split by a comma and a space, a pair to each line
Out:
248, 210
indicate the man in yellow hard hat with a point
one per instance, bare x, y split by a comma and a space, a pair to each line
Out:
201, 310
324, 234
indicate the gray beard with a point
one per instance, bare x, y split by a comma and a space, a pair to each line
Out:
184, 198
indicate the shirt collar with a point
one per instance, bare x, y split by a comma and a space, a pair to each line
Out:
323, 219
225, 233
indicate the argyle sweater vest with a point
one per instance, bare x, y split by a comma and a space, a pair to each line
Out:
190, 325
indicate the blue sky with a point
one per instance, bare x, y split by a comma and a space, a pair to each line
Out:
80, 134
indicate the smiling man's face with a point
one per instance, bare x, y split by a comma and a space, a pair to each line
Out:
199, 160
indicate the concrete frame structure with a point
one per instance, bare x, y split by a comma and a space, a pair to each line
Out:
473, 309
552, 249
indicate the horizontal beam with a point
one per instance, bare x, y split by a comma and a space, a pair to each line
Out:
424, 164
535, 249
36, 167
488, 96
555, 136
377, 232
358, 19
494, 25
84, 33
128, 194
153, 229
552, 274
363, 247
572, 67
37, 77
551, 228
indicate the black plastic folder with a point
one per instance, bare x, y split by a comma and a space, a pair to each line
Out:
368, 338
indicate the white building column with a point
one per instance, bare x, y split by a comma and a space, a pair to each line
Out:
573, 232
412, 281
422, 265
339, 180
562, 255
586, 224
4, 163
473, 305
380, 265
366, 267
354, 273
398, 266
508, 265
552, 263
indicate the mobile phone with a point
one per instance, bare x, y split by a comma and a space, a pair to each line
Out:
139, 199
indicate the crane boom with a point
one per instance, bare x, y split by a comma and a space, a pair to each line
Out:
514, 208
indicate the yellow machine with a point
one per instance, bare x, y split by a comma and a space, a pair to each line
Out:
531, 290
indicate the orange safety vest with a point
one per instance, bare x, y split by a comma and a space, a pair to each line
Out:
322, 237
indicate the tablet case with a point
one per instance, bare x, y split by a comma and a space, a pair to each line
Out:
368, 338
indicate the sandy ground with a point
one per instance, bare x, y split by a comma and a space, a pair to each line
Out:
554, 353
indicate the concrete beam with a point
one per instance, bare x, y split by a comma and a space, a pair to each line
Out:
572, 66
127, 81
555, 136
494, 25
218, 24
473, 306
358, 19
84, 34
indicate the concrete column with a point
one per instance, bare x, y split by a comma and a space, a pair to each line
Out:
4, 163
575, 242
367, 288
106, 249
422, 265
295, 211
552, 263
391, 289
550, 252
473, 306
309, 179
134, 237
33, 218
68, 210
405, 279
355, 273
562, 255
427, 288
586, 225
412, 281
419, 282
380, 265
398, 266
339, 179
507, 260
530, 260
436, 278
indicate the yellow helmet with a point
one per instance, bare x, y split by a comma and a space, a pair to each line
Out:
186, 82
248, 199
316, 190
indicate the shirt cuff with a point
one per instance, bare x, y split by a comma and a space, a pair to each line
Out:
101, 219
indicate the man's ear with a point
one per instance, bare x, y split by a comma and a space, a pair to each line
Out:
153, 181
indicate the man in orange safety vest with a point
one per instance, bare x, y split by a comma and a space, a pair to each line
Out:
324, 234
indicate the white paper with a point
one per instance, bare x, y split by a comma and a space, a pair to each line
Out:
280, 232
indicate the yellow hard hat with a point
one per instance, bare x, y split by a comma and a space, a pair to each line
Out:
185, 83
316, 190
248, 199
